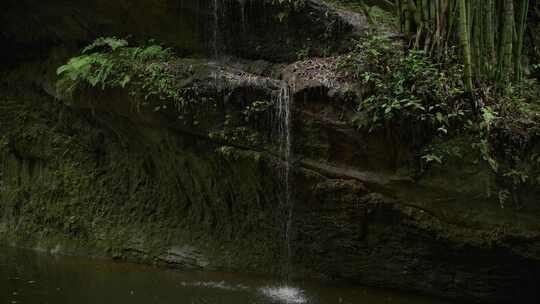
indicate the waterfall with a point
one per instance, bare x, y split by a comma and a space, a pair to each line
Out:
215, 34
243, 14
219, 13
283, 115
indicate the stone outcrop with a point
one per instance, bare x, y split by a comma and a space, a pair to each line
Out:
252, 29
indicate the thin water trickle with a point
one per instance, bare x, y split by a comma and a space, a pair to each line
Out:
243, 13
283, 114
215, 10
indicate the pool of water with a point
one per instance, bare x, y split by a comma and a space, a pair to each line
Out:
30, 277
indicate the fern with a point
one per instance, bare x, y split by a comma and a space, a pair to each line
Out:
102, 64
152, 52
94, 69
145, 71
111, 43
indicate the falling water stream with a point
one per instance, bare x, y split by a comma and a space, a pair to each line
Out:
243, 13
215, 38
285, 140
284, 293
287, 293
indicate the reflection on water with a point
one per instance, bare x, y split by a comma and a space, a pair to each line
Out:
29, 277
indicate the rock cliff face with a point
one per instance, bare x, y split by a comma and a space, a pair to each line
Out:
97, 175
250, 29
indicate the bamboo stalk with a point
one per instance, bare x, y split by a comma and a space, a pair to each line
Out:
507, 37
522, 25
466, 47
490, 33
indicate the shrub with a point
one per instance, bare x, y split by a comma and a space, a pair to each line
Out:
147, 71
404, 91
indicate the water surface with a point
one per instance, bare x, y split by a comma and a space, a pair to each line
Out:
30, 277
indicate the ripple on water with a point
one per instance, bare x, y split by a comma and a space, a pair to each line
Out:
285, 294
215, 285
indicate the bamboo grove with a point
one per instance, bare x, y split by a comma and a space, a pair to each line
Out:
490, 34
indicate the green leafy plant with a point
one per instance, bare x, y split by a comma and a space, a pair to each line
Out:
405, 91
147, 71
105, 44
407, 95
254, 111
287, 6
94, 69
303, 54
429, 158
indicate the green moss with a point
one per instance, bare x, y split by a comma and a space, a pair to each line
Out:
110, 187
